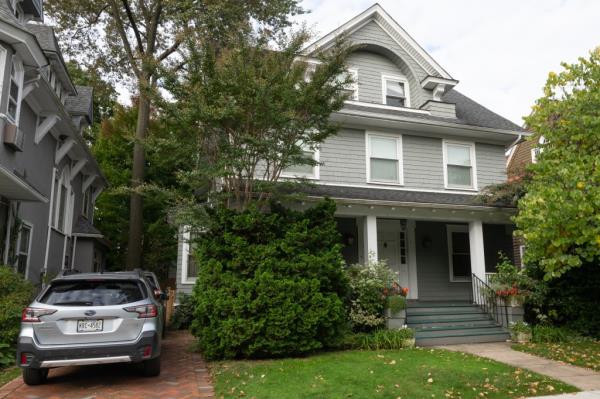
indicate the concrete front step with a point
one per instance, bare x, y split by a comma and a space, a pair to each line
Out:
441, 323
478, 321
462, 339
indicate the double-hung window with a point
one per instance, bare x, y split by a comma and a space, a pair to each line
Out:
459, 165
395, 91
189, 266
304, 170
459, 253
384, 163
15, 90
351, 88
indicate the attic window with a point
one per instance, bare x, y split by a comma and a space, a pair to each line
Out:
395, 91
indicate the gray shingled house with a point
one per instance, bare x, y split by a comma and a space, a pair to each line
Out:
49, 180
405, 170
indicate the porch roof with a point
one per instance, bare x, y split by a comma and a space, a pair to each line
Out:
399, 196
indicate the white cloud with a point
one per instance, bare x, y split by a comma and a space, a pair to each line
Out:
500, 51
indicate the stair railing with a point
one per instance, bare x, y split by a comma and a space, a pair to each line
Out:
490, 302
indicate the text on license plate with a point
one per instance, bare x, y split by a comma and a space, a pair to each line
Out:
89, 325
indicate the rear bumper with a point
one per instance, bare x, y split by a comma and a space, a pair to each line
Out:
62, 355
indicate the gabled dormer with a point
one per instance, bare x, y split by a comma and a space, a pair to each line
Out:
390, 68
25, 10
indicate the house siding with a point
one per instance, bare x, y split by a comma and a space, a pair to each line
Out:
433, 268
343, 159
491, 164
372, 36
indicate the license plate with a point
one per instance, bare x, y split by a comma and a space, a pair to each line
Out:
89, 325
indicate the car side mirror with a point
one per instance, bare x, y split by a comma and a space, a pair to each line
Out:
157, 294
164, 296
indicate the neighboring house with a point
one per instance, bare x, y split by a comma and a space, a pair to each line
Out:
521, 155
406, 167
49, 180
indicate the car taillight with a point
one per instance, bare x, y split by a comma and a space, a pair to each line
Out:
26, 358
32, 315
143, 311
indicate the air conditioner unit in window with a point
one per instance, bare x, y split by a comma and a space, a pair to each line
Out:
13, 136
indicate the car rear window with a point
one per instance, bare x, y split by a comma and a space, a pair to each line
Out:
94, 293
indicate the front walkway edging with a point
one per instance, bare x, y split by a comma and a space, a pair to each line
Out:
582, 378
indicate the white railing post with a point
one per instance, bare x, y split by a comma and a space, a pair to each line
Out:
477, 251
370, 238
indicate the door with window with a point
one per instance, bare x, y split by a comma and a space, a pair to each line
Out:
391, 247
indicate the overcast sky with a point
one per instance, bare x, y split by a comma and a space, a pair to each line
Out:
500, 51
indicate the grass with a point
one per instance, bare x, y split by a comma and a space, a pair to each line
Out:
578, 352
8, 374
414, 373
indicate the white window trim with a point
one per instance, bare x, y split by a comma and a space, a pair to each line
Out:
65, 180
17, 249
455, 228
20, 75
399, 148
316, 175
522, 255
399, 79
471, 145
185, 253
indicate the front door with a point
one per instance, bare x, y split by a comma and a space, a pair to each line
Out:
391, 247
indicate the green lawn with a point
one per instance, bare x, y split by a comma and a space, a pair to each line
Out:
579, 352
7, 375
417, 373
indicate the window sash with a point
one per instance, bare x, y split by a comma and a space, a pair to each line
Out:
459, 165
459, 259
301, 170
15, 91
384, 159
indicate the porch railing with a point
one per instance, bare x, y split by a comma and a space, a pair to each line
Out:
487, 299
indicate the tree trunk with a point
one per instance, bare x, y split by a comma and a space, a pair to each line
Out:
136, 215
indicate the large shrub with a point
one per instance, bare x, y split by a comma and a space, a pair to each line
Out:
15, 294
367, 298
269, 284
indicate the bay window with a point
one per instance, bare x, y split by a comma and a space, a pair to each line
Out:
384, 161
459, 165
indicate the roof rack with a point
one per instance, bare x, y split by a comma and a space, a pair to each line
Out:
68, 272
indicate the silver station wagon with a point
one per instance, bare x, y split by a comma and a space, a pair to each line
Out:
95, 318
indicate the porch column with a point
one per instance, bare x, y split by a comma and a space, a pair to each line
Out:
476, 249
370, 238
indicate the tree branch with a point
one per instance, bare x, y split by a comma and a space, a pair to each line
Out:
170, 50
123, 35
131, 18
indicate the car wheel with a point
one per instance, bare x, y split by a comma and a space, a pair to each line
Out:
152, 367
34, 376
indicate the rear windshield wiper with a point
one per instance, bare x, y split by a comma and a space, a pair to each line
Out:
74, 303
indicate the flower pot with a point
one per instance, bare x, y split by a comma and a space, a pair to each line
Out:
520, 337
408, 343
395, 320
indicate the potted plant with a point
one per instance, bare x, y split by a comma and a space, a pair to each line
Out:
395, 306
408, 337
520, 332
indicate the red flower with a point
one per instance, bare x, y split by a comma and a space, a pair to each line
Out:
404, 291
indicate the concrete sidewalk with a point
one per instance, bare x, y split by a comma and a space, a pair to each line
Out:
578, 395
584, 379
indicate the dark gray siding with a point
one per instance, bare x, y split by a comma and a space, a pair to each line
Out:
343, 158
423, 167
491, 164
432, 265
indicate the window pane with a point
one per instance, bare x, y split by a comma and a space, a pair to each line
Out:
394, 89
459, 155
382, 147
384, 169
24, 243
192, 270
460, 242
301, 170
22, 264
461, 265
12, 109
394, 101
14, 90
459, 176
62, 209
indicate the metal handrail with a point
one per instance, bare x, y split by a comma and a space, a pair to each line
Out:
490, 302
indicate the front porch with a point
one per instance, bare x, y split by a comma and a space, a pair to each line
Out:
433, 256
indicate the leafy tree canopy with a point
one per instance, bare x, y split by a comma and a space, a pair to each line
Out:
255, 107
559, 217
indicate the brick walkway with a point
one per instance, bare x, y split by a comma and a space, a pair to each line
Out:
183, 375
